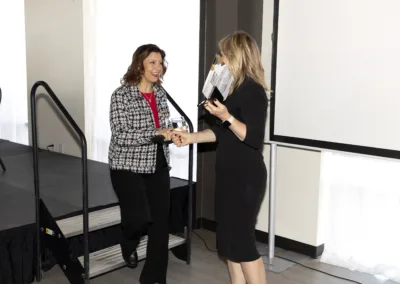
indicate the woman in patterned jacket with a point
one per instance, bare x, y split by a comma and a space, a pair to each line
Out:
139, 166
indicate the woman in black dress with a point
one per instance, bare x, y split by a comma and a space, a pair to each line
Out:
241, 174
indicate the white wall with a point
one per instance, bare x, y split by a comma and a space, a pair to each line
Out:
54, 39
13, 109
106, 62
62, 50
298, 173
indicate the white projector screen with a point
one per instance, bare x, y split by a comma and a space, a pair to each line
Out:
336, 75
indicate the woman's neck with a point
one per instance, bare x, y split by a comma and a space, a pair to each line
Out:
145, 87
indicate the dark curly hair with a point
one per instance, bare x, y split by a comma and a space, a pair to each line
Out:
135, 71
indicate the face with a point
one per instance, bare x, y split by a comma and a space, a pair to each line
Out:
153, 68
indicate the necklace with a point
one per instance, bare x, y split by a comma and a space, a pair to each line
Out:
148, 96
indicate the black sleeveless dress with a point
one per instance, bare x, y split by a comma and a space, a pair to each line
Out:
241, 174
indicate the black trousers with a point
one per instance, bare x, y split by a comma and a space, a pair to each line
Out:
144, 202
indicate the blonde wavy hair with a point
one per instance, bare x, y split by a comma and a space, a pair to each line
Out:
244, 58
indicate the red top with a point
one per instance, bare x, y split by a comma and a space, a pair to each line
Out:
151, 99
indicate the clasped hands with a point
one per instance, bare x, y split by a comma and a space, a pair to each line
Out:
177, 136
182, 138
166, 132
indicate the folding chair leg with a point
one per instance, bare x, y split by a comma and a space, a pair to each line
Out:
2, 165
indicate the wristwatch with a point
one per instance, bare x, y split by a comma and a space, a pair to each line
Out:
228, 122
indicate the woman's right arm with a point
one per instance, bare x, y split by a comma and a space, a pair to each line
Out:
181, 138
204, 136
125, 135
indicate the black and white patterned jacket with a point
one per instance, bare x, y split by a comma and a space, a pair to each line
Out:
132, 127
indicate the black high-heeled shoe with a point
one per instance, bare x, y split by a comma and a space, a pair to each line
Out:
132, 260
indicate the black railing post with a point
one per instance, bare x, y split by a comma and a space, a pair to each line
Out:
190, 180
189, 227
85, 187
36, 185
85, 200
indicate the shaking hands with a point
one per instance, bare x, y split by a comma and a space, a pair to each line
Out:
181, 138
166, 132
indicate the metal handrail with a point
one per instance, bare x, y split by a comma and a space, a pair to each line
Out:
85, 205
83, 143
190, 178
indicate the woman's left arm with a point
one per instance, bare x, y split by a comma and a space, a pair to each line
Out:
253, 106
220, 111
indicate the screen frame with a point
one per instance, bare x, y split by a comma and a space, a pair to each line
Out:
319, 144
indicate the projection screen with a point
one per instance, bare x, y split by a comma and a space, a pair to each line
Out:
336, 75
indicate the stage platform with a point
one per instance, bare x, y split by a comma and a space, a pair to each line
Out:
61, 191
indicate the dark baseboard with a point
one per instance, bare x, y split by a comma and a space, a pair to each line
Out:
281, 242
207, 224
